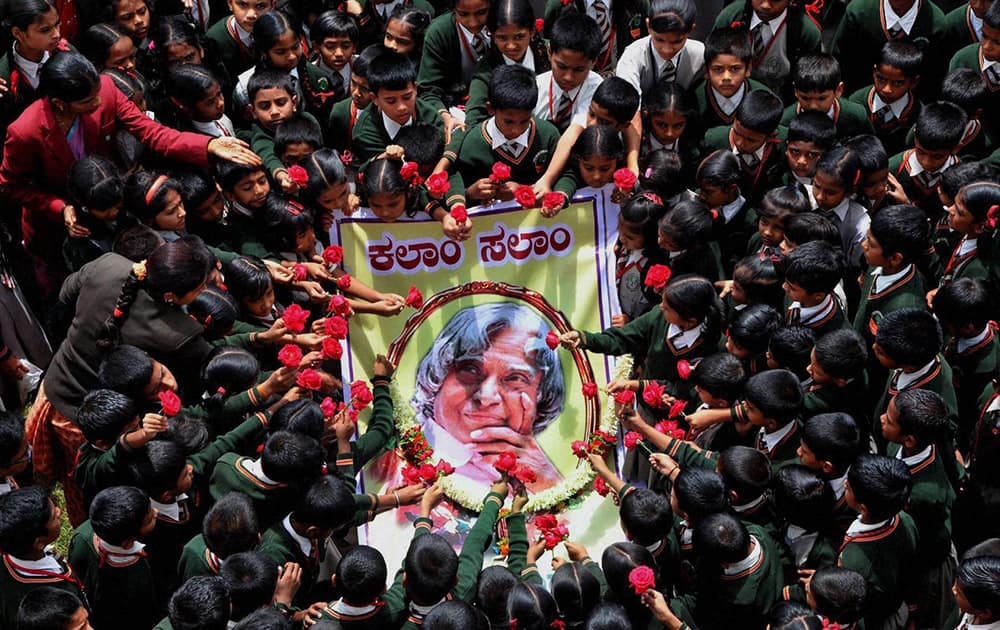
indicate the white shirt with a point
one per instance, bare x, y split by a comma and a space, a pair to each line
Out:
759, 152
896, 107
839, 486
771, 440
773, 24
5, 486
809, 314
47, 562
385, 10
170, 510
916, 168
967, 245
883, 281
304, 543
913, 460
746, 563
966, 624
800, 542
905, 380
392, 127
500, 140
592, 13
857, 527
528, 61
977, 26
254, 468
683, 338
215, 128
582, 94
746, 507
730, 209
728, 104
351, 611
968, 342
246, 37
30, 70
904, 21
120, 555
661, 62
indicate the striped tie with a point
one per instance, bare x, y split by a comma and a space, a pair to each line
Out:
669, 73
992, 76
604, 23
479, 45
758, 39
562, 118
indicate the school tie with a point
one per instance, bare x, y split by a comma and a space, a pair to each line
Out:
992, 76
883, 114
927, 179
669, 72
896, 32
833, 218
750, 160
604, 23
759, 37
513, 147
561, 121
793, 315
479, 45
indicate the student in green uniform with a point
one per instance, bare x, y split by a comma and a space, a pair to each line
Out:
646, 519
233, 34
230, 527
984, 56
937, 138
621, 22
881, 544
201, 603
966, 88
818, 87
963, 25
254, 582
374, 16
718, 178
976, 509
246, 189
944, 238
334, 38
773, 402
749, 334
565, 92
344, 115
891, 102
805, 502
685, 234
296, 139
916, 425
975, 589
829, 444
52, 609
364, 601
773, 213
970, 216
727, 77
812, 271
106, 552
836, 594
810, 135
836, 371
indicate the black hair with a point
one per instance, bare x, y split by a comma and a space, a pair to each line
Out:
47, 608
790, 348
992, 16
95, 183
431, 568
664, 172
531, 606
247, 278
668, 97
792, 615
417, 21
813, 127
839, 594
618, 561
643, 214
811, 226
495, 583
989, 547
383, 176
728, 41
688, 223
117, 513
576, 591
291, 457
138, 198
803, 498
870, 152
171, 30
327, 504
188, 432
753, 326
96, 42
127, 370
964, 173
966, 88
576, 32
905, 56
103, 415
924, 415
21, 14
230, 526
608, 616
361, 575
364, 59
979, 198
694, 297
841, 164
334, 24
325, 168
760, 111
511, 12
229, 174
250, 578
980, 582
297, 130
909, 336
902, 229
266, 31
645, 515
816, 73
227, 371
777, 393
842, 353
24, 516
196, 188
721, 374
265, 79
720, 168
266, 618
816, 267
513, 87
600, 141
455, 615
69, 77
391, 71
721, 538
201, 603
136, 242
672, 16
299, 416
700, 492
964, 301
156, 467
745, 471
760, 279
422, 142
619, 97
940, 126
833, 437
11, 437
128, 82
216, 311
882, 484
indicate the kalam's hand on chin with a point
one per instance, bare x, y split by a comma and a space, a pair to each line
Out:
490, 442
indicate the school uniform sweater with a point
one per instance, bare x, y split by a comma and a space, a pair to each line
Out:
919, 185
19, 577
759, 173
641, 66
236, 55
972, 57
973, 368
936, 376
372, 22
966, 261
732, 225
447, 63
476, 156
536, 59
262, 143
905, 290
280, 543
340, 124
370, 137
930, 503
849, 118
197, 559
960, 28
711, 106
890, 126
627, 19
849, 399
826, 317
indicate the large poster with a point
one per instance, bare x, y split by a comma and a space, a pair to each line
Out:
476, 375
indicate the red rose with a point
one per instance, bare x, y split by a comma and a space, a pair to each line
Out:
525, 195
411, 172
428, 473
444, 468
414, 298
352, 415
590, 390
339, 305
506, 462
295, 318
539, 25
333, 254
553, 200
336, 327
290, 355
170, 402
601, 487
299, 273
332, 349
499, 173
625, 180
625, 397
552, 539
565, 2
684, 369
411, 475
666, 426
438, 185
632, 439
346, 157
344, 282
657, 276
298, 175
641, 579
552, 340
328, 407
677, 409
460, 214
579, 448
360, 393
309, 379
525, 474
652, 393
546, 521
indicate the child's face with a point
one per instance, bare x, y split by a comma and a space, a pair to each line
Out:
252, 190
185, 480
41, 35
273, 106
889, 420
80, 620
212, 209
512, 122
716, 196
767, 10
930, 160
260, 307
246, 12
121, 55
787, 246
132, 16
512, 41
212, 106
802, 157
875, 185
667, 127
771, 230
746, 140
360, 93
891, 84
874, 255
961, 600
795, 293
816, 371
398, 105
183, 52
53, 525
148, 523
296, 152
671, 316
807, 457
598, 171
337, 51
754, 415
399, 38
818, 101
990, 43
286, 51
161, 380
630, 236
305, 241
171, 218
883, 358
666, 242
737, 350
668, 44
727, 73
739, 293
388, 207
106, 214
472, 14
827, 191
599, 115
569, 68
961, 220
334, 197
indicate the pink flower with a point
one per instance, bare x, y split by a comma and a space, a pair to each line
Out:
625, 180
506, 462
170, 402
601, 487
333, 254
298, 175
414, 298
590, 390
525, 474
539, 25
684, 369
411, 172
290, 355
309, 379
652, 393
641, 579
625, 397
546, 521
632, 439
352, 415
525, 195
552, 340
360, 394
332, 349
438, 185
295, 318
499, 173
344, 282
329, 407
336, 327
299, 273
579, 448
460, 214
657, 276
552, 539
339, 305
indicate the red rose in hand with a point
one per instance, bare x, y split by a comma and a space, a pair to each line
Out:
328, 407
601, 487
339, 306
290, 355
344, 282
525, 474
590, 390
299, 273
666, 426
552, 340
352, 415
460, 214
414, 298
625, 397
170, 402
309, 379
411, 172
553, 200
444, 468
657, 276
546, 521
428, 473
641, 579
525, 195
625, 180
336, 327
684, 369
411, 475
333, 254
298, 175
361, 395
552, 539
506, 462
438, 185
579, 448
332, 349
677, 409
295, 318
499, 173
632, 439
652, 393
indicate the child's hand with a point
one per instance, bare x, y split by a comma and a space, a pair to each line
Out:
284, 180
289, 579
279, 381
12, 368
411, 495
930, 298
520, 500
701, 420
74, 229
655, 602
894, 190
353, 203
501, 486
310, 615
383, 367
536, 551
570, 340
294, 393
395, 151
725, 287
318, 269
542, 186
630, 420
395, 298
663, 464
354, 7
314, 290
575, 550
280, 274
622, 384
342, 427
233, 150
619, 320
309, 341
432, 496
386, 308
153, 424
598, 464
806, 576
450, 124
558, 561
482, 189
505, 191
311, 360
455, 230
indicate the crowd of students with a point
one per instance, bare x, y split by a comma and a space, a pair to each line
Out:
807, 267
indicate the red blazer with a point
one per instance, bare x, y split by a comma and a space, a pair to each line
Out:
37, 157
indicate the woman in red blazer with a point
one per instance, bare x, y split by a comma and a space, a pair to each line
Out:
79, 116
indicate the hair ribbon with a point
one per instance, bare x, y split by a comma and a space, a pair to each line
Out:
155, 188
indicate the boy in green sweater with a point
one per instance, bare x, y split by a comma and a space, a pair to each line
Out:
812, 271
773, 402
829, 444
230, 527
837, 375
891, 101
818, 87
54, 608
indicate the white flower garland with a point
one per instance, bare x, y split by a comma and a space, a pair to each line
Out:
469, 494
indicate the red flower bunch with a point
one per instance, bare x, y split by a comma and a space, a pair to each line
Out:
339, 306
590, 390
677, 409
599, 444
411, 172
625, 180
625, 397
632, 439
539, 25
641, 579
552, 531
333, 254
414, 298
336, 327
346, 157
361, 396
580, 448
671, 428
652, 394
601, 486
444, 468
657, 276
295, 318
684, 369
552, 340
344, 282
309, 379
499, 173
328, 407
525, 195
506, 462
553, 200
170, 402
298, 175
332, 349
437, 184
290, 355
460, 214
299, 273
414, 445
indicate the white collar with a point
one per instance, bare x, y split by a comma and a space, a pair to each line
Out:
896, 106
906, 379
913, 460
915, 168
746, 507
30, 69
660, 61
48, 562
215, 128
882, 280
351, 611
385, 9
839, 486
794, 532
655, 144
905, 21
469, 35
977, 26
857, 527
254, 467
759, 152
116, 555
771, 440
423, 610
392, 127
730, 209
746, 563
994, 406
684, 338
557, 91
170, 510
240, 209
728, 104
528, 62
304, 543
654, 547
968, 342
246, 37
5, 486
809, 314
967, 245
966, 624
499, 139
775, 23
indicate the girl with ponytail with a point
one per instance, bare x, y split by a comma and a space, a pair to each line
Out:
231, 378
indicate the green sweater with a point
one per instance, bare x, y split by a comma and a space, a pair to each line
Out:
262, 143
930, 505
196, 559
16, 581
851, 119
756, 181
972, 370
476, 156
370, 137
906, 292
892, 133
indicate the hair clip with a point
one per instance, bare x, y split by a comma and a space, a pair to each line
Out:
653, 197
208, 321
221, 390
993, 216
857, 177
648, 172
294, 207
155, 188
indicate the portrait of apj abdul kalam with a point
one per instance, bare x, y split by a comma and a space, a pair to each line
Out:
489, 384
